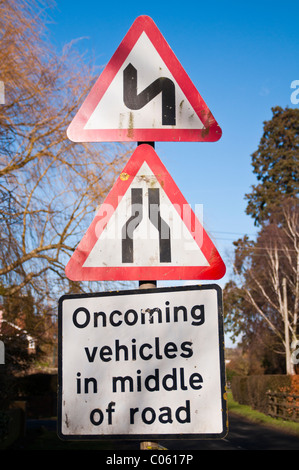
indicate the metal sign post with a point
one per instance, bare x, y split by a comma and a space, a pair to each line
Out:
147, 285
145, 445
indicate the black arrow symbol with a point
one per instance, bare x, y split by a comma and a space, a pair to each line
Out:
160, 224
155, 218
131, 224
137, 101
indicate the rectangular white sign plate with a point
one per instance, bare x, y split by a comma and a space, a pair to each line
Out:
142, 364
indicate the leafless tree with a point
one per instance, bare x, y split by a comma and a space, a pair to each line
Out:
49, 187
268, 276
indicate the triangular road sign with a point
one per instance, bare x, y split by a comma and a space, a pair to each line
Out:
145, 230
144, 95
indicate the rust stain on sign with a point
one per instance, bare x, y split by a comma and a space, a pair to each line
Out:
131, 126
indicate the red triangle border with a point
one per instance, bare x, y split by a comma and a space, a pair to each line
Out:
76, 131
75, 270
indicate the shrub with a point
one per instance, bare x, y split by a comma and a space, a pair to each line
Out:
252, 390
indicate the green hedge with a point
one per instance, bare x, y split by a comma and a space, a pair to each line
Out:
252, 390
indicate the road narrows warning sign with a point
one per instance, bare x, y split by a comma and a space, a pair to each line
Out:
144, 94
145, 229
142, 364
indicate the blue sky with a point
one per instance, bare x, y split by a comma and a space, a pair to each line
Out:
241, 56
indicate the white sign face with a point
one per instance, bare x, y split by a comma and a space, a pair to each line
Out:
149, 66
184, 250
142, 363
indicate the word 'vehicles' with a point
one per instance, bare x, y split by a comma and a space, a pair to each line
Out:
144, 351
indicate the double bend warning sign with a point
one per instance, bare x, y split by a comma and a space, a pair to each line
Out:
144, 95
